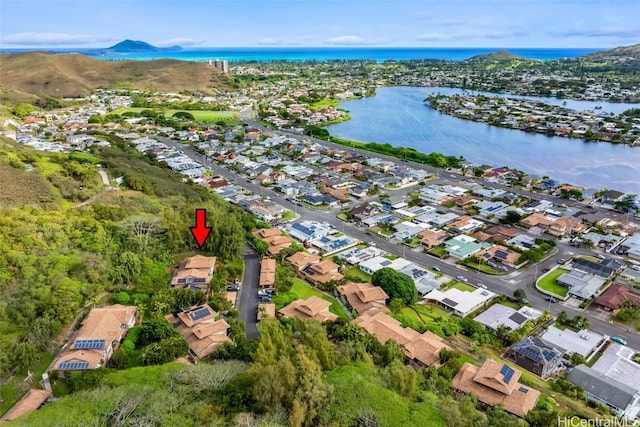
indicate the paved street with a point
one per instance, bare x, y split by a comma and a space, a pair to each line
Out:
248, 297
500, 284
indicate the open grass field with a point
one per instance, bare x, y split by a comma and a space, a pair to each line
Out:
548, 283
325, 103
199, 115
352, 273
304, 291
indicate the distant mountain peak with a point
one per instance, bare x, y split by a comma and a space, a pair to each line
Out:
139, 46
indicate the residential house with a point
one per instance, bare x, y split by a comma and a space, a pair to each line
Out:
274, 238
489, 209
581, 284
501, 315
312, 308
364, 297
301, 260
323, 271
536, 356
307, 231
194, 273
461, 303
97, 339
583, 342
500, 254
372, 265
422, 278
616, 295
609, 198
465, 224
616, 362
496, 384
364, 211
463, 246
267, 273
621, 398
199, 327
329, 245
536, 220
432, 238
565, 226
420, 349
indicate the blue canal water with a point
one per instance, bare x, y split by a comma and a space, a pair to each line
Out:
398, 116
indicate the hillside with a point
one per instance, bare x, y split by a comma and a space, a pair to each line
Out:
71, 75
633, 50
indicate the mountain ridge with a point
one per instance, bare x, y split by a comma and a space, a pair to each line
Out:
129, 45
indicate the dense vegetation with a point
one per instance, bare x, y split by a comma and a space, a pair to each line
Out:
295, 377
57, 255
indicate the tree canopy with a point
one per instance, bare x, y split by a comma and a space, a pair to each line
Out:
396, 285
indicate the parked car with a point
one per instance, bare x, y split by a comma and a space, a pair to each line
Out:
619, 340
436, 268
600, 256
550, 299
263, 293
546, 269
562, 261
265, 299
232, 288
462, 279
481, 285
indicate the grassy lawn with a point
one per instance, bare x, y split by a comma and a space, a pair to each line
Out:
463, 287
390, 257
413, 194
319, 207
438, 251
430, 310
413, 242
304, 291
352, 273
287, 215
475, 266
342, 216
198, 115
549, 284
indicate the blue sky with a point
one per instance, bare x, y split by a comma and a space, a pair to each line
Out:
231, 23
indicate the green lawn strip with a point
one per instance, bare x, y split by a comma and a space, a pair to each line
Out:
324, 103
463, 286
352, 273
304, 291
549, 284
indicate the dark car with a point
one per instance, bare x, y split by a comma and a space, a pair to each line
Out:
232, 288
550, 299
265, 298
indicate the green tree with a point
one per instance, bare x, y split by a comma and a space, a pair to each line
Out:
396, 285
154, 330
519, 294
123, 298
511, 217
22, 110
312, 392
402, 379
24, 355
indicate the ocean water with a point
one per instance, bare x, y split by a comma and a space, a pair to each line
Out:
378, 54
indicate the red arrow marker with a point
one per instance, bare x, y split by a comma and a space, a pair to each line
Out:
200, 231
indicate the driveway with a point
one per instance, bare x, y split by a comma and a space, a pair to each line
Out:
248, 301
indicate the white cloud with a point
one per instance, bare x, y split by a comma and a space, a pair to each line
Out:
346, 40
278, 41
55, 39
447, 37
180, 41
623, 32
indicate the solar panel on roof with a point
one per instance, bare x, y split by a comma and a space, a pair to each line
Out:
385, 263
523, 390
507, 373
501, 254
74, 365
88, 344
199, 314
